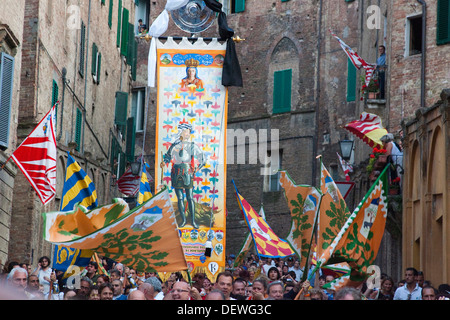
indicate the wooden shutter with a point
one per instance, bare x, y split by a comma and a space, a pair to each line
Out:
443, 22
131, 134
110, 13
121, 111
125, 35
119, 23
282, 87
55, 93
99, 66
6, 89
78, 129
82, 48
239, 6
351, 81
94, 59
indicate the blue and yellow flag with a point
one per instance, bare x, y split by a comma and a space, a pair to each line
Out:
78, 188
145, 192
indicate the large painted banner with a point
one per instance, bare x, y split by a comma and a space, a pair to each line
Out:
191, 146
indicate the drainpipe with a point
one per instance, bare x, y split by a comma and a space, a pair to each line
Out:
424, 45
63, 77
86, 74
317, 106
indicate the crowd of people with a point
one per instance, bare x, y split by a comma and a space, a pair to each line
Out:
254, 279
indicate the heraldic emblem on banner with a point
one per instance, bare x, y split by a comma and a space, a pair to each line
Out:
191, 145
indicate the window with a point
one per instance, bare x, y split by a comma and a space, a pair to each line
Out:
125, 34
119, 23
129, 148
138, 109
142, 11
120, 118
413, 36
78, 129
271, 182
351, 81
110, 13
6, 89
82, 48
237, 6
443, 22
282, 87
96, 63
55, 92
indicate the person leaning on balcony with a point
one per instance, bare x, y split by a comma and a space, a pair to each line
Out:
381, 68
393, 153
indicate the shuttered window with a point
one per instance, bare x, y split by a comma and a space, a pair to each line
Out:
55, 93
121, 112
6, 89
110, 13
443, 22
96, 63
282, 87
131, 134
351, 81
119, 23
78, 129
238, 6
125, 34
82, 48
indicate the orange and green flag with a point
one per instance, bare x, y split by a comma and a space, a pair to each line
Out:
304, 202
359, 240
145, 238
267, 243
333, 212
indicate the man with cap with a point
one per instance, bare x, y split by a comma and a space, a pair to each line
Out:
184, 155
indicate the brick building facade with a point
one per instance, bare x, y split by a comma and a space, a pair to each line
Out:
77, 53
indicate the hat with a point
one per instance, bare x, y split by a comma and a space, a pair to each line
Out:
155, 283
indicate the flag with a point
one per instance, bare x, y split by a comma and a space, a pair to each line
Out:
78, 188
266, 242
359, 240
145, 238
128, 183
357, 61
247, 245
145, 191
368, 128
346, 167
304, 202
333, 212
36, 157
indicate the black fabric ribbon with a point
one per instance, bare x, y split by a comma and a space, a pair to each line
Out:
231, 72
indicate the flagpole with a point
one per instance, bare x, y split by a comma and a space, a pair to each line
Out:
3, 165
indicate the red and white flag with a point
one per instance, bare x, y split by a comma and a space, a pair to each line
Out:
357, 61
36, 157
345, 166
128, 183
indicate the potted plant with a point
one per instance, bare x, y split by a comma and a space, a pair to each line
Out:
371, 90
394, 186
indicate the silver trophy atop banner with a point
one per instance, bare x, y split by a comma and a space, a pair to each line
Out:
194, 17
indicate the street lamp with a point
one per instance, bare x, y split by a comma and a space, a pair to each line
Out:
346, 149
135, 168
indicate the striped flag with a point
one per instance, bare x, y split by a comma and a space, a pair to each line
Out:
304, 203
128, 183
78, 188
359, 240
346, 167
368, 128
36, 157
267, 243
357, 61
145, 191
